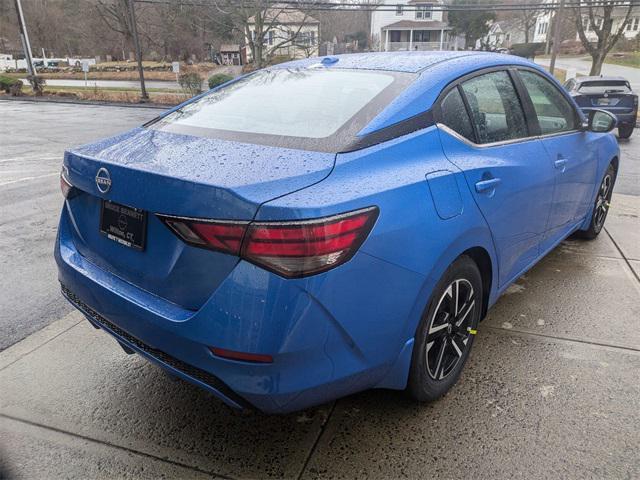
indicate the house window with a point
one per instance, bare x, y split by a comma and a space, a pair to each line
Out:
423, 36
633, 24
399, 9
423, 12
306, 38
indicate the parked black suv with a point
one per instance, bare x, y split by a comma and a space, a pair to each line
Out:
608, 93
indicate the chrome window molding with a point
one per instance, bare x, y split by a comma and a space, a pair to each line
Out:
468, 142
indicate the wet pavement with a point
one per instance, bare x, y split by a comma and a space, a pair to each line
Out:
551, 389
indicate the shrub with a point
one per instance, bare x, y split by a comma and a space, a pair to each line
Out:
191, 83
10, 85
526, 50
218, 79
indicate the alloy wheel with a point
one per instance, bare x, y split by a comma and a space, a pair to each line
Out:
449, 329
603, 202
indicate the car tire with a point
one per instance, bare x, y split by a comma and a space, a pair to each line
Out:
601, 205
625, 132
445, 335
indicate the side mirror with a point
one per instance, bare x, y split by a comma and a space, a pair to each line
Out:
599, 121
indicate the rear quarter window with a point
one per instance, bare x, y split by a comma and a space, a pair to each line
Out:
454, 114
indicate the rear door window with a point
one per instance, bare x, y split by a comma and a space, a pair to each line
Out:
495, 108
454, 114
555, 113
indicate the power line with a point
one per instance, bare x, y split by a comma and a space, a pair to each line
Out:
366, 6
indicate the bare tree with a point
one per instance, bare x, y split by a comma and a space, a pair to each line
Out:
115, 15
267, 27
600, 20
527, 18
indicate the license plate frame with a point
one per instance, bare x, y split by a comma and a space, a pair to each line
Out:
123, 224
604, 102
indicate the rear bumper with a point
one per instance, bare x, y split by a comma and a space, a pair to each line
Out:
327, 337
624, 119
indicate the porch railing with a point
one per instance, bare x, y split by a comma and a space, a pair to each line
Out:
404, 46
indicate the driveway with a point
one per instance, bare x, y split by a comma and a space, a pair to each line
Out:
582, 65
550, 391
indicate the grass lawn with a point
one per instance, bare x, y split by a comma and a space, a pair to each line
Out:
630, 59
119, 95
559, 73
204, 69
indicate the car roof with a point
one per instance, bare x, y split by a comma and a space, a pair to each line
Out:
409, 62
434, 69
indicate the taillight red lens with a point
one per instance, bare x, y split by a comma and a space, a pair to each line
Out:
65, 185
222, 236
291, 249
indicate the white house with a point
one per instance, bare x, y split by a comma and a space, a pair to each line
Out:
410, 25
631, 30
542, 27
291, 33
543, 22
502, 34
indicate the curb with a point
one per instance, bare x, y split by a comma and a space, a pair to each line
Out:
34, 341
86, 102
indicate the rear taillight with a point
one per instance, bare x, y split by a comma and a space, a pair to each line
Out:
222, 236
65, 185
291, 249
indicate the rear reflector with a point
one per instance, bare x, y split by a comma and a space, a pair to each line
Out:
291, 249
242, 356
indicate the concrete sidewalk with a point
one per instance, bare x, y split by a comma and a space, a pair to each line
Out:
551, 391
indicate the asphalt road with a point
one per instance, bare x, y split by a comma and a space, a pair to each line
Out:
582, 65
33, 137
550, 390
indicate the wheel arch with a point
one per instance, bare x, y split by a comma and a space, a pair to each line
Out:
482, 259
615, 162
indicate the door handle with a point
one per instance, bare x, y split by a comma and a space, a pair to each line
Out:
487, 185
561, 163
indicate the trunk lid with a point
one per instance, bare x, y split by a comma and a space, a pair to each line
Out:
173, 174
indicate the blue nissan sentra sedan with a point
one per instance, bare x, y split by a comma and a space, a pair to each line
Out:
330, 225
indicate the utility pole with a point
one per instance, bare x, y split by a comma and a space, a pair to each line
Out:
557, 26
25, 40
134, 30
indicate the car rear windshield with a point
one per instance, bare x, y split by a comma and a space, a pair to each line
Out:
271, 106
602, 86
